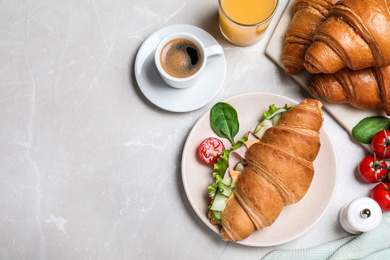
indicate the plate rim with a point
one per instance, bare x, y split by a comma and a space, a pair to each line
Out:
208, 223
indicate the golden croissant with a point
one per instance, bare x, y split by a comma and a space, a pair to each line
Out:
367, 88
356, 34
279, 172
308, 14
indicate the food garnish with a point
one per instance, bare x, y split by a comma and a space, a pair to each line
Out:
364, 131
380, 144
374, 168
224, 121
381, 194
210, 150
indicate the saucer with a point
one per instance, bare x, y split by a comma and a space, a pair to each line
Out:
166, 97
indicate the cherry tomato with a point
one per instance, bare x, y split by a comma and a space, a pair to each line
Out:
210, 150
380, 144
381, 194
368, 166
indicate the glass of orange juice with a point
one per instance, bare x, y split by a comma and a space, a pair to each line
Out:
243, 22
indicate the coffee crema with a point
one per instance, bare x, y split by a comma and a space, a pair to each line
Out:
180, 58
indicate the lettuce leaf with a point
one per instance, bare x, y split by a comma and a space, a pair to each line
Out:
222, 165
272, 109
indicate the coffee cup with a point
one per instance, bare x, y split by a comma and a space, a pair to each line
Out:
181, 57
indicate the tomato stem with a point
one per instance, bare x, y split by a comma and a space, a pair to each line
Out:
386, 144
387, 188
376, 166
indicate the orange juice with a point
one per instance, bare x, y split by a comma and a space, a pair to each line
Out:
248, 11
243, 22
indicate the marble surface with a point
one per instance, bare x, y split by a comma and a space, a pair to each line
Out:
89, 168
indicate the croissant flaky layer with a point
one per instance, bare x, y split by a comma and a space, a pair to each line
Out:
367, 88
356, 34
279, 172
308, 15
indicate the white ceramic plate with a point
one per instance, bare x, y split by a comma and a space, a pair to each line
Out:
347, 116
166, 97
295, 219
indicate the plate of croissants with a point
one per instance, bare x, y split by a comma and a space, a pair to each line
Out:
289, 179
339, 51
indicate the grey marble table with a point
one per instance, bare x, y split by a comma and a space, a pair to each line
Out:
89, 168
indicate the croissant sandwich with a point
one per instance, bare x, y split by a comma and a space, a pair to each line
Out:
279, 171
367, 88
356, 34
308, 15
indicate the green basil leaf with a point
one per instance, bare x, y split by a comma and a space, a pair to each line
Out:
368, 127
224, 121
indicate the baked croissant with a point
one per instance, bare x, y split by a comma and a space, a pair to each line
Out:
279, 172
367, 88
308, 14
356, 35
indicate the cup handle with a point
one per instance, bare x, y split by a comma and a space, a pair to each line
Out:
213, 50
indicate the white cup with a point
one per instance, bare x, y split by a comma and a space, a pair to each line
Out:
206, 53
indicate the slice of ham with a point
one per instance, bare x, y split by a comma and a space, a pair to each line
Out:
237, 156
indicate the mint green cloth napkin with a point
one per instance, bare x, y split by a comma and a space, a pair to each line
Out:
373, 245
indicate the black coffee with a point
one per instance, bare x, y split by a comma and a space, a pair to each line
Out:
180, 58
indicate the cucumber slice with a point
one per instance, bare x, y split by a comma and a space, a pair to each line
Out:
217, 215
277, 112
225, 190
219, 202
239, 167
262, 127
227, 181
276, 118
